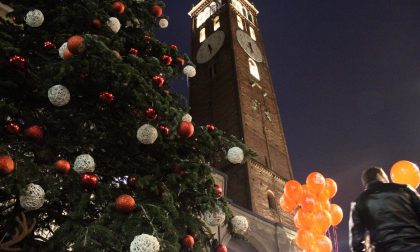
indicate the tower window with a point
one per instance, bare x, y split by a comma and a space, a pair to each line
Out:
240, 23
252, 33
271, 201
216, 23
202, 34
253, 69
244, 12
250, 17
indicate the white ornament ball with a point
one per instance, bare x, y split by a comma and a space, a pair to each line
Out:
59, 95
114, 24
147, 134
34, 18
32, 198
84, 163
187, 118
144, 243
239, 224
61, 50
214, 218
163, 23
189, 71
235, 155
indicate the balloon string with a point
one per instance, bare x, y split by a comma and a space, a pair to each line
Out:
335, 238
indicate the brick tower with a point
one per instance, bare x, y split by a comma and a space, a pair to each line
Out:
234, 91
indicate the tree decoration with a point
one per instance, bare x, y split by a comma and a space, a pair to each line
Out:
144, 243
34, 132
106, 97
147, 38
59, 95
214, 218
181, 61
32, 197
62, 49
34, 18
89, 180
188, 241
12, 128
166, 59
239, 224
158, 80
125, 203
7, 165
173, 47
186, 118
118, 7
114, 24
75, 44
164, 129
133, 181
189, 71
151, 113
221, 248
185, 129
62, 166
163, 23
218, 191
147, 134
84, 163
18, 61
157, 10
97, 23
49, 45
134, 51
235, 155
210, 127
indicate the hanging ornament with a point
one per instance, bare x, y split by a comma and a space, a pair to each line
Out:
97, 23
134, 51
181, 61
166, 59
151, 113
147, 38
144, 243
156, 10
84, 163
32, 197
218, 191
59, 95
186, 118
133, 181
147, 134
188, 241
7, 165
185, 129
75, 44
221, 248
34, 18
158, 80
114, 24
34, 132
62, 49
239, 225
235, 155
214, 218
174, 47
89, 180
210, 127
163, 23
12, 128
49, 45
189, 71
19, 62
62, 166
118, 7
125, 204
106, 97
164, 129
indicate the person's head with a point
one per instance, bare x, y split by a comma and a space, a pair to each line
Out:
374, 174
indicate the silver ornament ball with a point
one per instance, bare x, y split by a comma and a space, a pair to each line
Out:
144, 243
32, 198
59, 95
34, 18
84, 163
189, 71
147, 134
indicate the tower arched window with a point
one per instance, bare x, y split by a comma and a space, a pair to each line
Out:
240, 22
271, 201
216, 23
244, 12
213, 8
253, 69
252, 33
202, 34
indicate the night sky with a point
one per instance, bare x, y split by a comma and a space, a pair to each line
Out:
347, 78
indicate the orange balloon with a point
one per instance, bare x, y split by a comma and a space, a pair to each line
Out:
293, 190
302, 219
315, 181
287, 204
321, 221
405, 172
304, 239
323, 243
324, 195
331, 186
336, 214
308, 203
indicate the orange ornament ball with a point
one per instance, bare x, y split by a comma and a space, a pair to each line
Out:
62, 166
118, 7
157, 10
185, 129
75, 44
188, 241
67, 54
125, 203
7, 165
221, 248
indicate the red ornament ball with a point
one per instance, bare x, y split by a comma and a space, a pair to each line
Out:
166, 59
188, 241
75, 44
134, 51
158, 80
133, 181
181, 61
34, 132
173, 47
18, 61
218, 191
7, 165
164, 129
49, 45
151, 113
221, 248
96, 22
157, 10
12, 128
62, 166
125, 203
118, 7
106, 97
147, 37
210, 127
185, 129
89, 180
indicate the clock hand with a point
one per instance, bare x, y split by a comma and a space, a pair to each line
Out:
210, 48
250, 47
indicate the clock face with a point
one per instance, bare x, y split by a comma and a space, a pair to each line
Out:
210, 47
249, 45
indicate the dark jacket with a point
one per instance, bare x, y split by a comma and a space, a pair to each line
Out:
390, 213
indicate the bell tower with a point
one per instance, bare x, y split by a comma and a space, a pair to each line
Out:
234, 91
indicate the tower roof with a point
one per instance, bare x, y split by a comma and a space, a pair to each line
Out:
202, 2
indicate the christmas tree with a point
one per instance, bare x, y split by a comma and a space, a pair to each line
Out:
96, 152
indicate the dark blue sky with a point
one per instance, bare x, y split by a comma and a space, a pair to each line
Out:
347, 77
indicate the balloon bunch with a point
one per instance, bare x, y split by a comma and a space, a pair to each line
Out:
405, 172
313, 212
